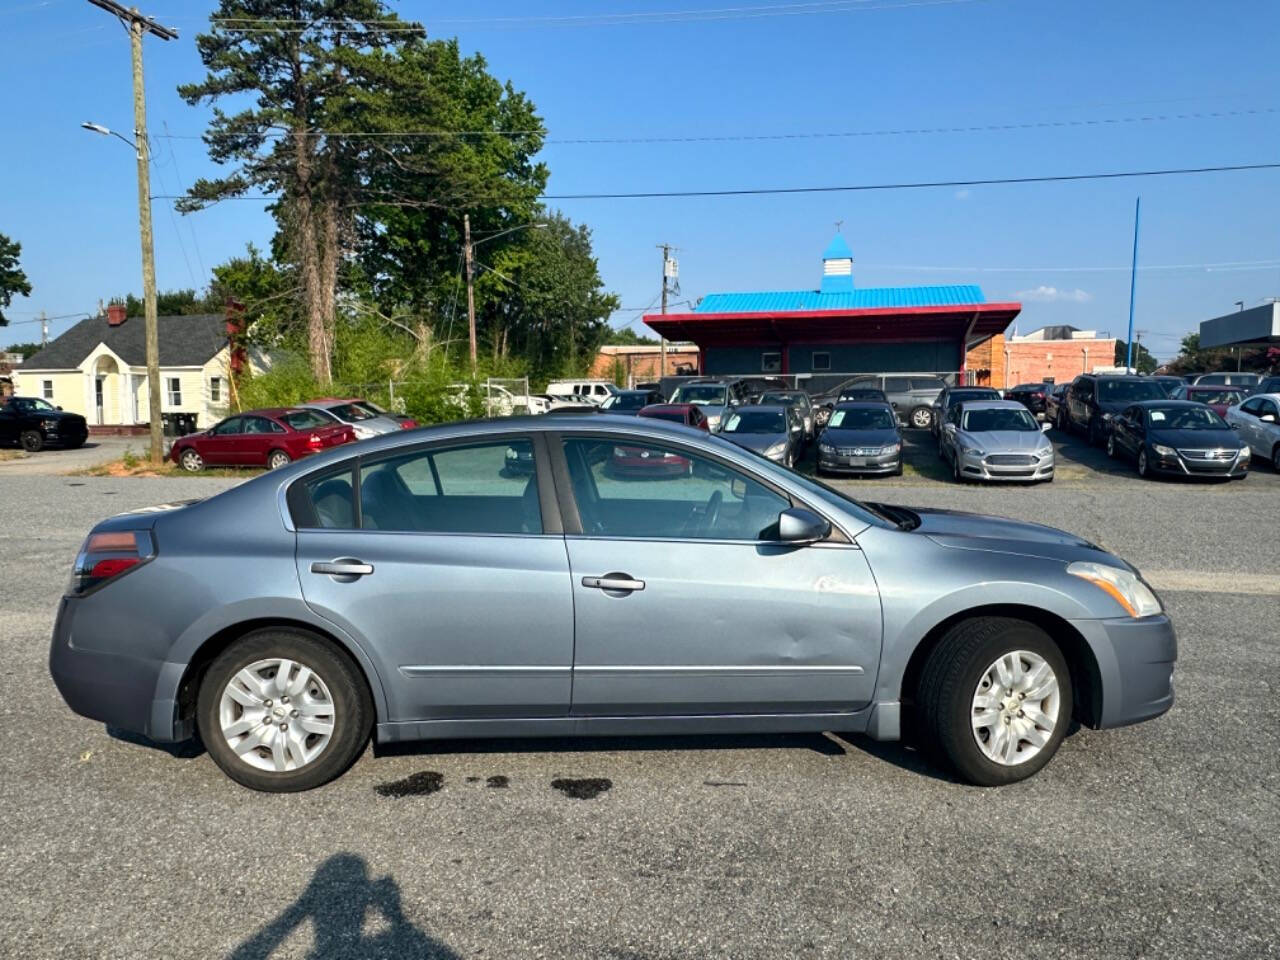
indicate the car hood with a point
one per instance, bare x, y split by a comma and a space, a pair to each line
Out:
759, 442
1018, 441
62, 416
838, 437
974, 531
1197, 439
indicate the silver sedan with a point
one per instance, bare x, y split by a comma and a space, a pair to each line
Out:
412, 586
1257, 421
996, 440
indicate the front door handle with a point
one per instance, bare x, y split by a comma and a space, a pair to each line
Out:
621, 582
343, 567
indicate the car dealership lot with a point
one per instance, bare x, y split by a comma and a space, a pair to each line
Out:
1156, 840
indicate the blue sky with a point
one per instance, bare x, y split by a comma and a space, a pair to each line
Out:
884, 65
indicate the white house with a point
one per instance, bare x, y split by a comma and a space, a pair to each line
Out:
98, 368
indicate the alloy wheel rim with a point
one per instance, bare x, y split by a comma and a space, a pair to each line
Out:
278, 460
277, 715
922, 419
1015, 708
192, 460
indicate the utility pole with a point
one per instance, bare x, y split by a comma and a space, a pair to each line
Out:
468, 252
137, 25
44, 330
1138, 338
669, 272
1133, 281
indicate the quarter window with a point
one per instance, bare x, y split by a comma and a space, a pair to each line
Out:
896, 384
174, 391
487, 488
656, 492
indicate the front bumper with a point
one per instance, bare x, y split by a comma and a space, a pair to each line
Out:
1135, 661
115, 689
981, 468
1179, 465
837, 463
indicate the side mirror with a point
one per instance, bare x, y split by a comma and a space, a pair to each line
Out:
57, 408
798, 526
1046, 427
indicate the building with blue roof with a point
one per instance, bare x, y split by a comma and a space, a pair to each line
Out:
839, 328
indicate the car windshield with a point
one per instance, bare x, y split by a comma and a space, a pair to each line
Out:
702, 394
1185, 418
861, 418
1029, 386
862, 393
756, 421
349, 412
370, 406
28, 404
1129, 391
982, 394
1216, 396
626, 401
305, 419
780, 398
985, 421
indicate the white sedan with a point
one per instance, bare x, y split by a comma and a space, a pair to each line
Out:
1257, 420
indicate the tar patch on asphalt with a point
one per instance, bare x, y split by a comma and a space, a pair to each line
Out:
586, 788
723, 783
497, 782
414, 785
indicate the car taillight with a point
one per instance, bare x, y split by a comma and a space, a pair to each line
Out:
408, 424
106, 556
314, 440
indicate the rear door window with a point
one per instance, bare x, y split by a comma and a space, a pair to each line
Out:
897, 384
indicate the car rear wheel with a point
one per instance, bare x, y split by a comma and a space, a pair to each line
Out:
278, 459
995, 699
191, 461
922, 418
283, 711
32, 441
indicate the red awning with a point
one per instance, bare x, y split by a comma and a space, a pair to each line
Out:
979, 322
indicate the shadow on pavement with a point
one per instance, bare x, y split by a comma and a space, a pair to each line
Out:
182, 750
817, 742
339, 902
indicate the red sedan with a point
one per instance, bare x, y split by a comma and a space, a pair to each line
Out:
256, 438
690, 414
645, 462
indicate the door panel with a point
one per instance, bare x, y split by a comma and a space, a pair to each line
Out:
723, 627
460, 626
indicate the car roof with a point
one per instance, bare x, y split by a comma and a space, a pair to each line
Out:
992, 405
864, 405
1148, 404
643, 391
669, 407
767, 407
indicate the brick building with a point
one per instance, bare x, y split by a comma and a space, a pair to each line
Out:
1056, 354
641, 362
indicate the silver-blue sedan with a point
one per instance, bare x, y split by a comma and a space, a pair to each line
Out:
995, 440
413, 586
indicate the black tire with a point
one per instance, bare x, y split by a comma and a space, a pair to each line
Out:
921, 418
353, 708
956, 473
32, 441
1111, 446
950, 679
277, 459
1144, 471
1275, 458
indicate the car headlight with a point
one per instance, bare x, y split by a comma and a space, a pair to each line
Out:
713, 421
826, 447
1123, 586
891, 448
1163, 450
971, 451
1108, 417
50, 424
776, 450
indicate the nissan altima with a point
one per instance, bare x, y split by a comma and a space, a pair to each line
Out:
413, 587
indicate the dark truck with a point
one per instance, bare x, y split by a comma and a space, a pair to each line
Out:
36, 423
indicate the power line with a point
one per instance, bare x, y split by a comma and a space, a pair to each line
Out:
759, 137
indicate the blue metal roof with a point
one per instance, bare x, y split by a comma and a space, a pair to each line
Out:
864, 298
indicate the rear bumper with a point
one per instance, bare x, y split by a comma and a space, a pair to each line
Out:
1135, 666
114, 689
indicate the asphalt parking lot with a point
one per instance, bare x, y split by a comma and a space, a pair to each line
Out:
1156, 840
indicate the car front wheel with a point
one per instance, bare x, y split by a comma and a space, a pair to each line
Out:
191, 461
1144, 470
32, 441
995, 699
283, 711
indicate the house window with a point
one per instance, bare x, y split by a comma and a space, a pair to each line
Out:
821, 360
771, 363
174, 391
215, 389
46, 389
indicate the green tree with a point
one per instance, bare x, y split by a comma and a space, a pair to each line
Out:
28, 350
1143, 361
172, 303
303, 76
267, 293
12, 280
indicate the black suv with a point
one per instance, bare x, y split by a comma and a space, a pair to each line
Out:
35, 423
1094, 399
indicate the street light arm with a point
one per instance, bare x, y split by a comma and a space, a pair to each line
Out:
107, 131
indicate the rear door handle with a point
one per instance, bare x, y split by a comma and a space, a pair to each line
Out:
621, 582
344, 567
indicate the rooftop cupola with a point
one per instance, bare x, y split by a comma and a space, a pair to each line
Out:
837, 266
